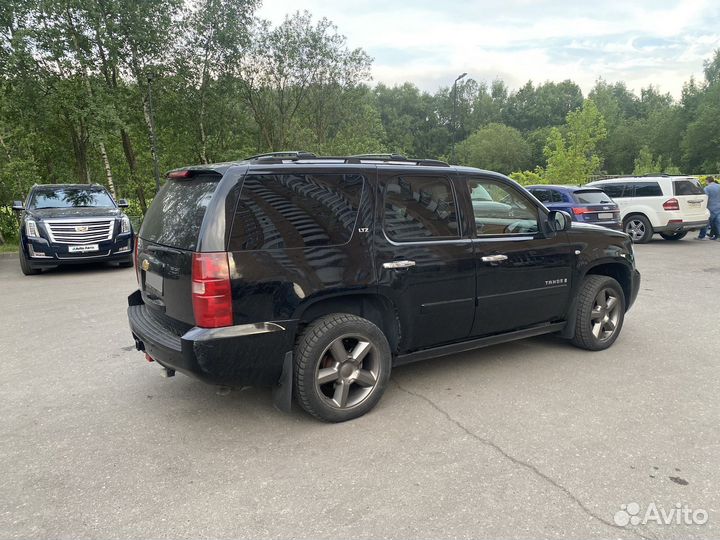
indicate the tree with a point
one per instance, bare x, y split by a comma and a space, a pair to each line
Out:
283, 63
572, 158
496, 147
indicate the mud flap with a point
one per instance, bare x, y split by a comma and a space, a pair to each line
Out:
282, 391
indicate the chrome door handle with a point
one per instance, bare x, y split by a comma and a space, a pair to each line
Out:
494, 258
398, 264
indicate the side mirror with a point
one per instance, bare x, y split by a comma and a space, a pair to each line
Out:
18, 206
559, 220
122, 203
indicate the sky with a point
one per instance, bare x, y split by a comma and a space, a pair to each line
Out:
429, 43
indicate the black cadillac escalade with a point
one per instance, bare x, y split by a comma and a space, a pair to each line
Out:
72, 224
318, 275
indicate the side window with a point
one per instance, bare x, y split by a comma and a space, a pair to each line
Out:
556, 196
418, 208
648, 189
541, 195
507, 211
615, 191
288, 211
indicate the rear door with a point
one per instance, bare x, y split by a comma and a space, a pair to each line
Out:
168, 237
423, 261
691, 199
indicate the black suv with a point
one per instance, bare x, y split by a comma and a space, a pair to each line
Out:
317, 275
71, 224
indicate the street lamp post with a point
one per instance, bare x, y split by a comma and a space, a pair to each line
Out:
452, 120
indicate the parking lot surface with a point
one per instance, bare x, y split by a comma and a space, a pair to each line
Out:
529, 439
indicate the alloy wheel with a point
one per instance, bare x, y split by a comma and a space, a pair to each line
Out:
348, 371
605, 314
636, 229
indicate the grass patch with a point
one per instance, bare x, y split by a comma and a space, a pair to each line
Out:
8, 248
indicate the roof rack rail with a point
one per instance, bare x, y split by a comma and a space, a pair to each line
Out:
293, 156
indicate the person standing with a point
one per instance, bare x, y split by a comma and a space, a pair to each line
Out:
712, 190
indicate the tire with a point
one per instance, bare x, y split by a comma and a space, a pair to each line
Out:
25, 264
598, 323
639, 228
354, 357
674, 236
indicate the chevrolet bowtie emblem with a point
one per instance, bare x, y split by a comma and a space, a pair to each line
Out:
145, 265
81, 228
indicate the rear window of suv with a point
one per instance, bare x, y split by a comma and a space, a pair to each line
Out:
289, 211
591, 196
686, 187
177, 212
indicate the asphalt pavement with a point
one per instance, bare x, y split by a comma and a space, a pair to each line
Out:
524, 440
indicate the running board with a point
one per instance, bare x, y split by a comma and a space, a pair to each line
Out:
477, 343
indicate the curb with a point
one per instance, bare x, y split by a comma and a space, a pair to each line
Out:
9, 255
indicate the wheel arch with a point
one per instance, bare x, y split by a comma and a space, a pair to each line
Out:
620, 271
376, 308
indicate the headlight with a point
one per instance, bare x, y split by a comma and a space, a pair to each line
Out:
124, 224
31, 229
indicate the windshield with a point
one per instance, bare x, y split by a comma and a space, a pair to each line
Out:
71, 197
592, 196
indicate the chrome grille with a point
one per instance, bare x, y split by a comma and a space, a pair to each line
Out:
75, 231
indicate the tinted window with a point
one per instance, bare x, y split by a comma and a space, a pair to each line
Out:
542, 195
70, 197
176, 214
648, 189
615, 191
686, 187
507, 211
420, 208
591, 196
556, 196
288, 211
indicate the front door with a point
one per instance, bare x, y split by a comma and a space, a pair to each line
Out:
425, 261
523, 274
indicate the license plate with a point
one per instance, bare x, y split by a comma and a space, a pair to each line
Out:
87, 248
605, 215
154, 280
694, 204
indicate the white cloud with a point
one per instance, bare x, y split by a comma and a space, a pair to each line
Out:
660, 42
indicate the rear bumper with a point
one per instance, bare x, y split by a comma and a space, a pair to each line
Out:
240, 355
683, 226
42, 254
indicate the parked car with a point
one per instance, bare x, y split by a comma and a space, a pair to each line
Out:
584, 204
72, 224
668, 205
317, 275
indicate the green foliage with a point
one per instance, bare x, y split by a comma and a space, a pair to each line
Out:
529, 178
76, 78
9, 232
496, 147
572, 158
645, 164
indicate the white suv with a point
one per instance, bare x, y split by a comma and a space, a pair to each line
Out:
668, 205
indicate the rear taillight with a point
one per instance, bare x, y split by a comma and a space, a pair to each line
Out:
578, 210
211, 298
671, 204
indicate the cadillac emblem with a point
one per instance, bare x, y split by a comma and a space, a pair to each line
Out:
145, 265
81, 228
